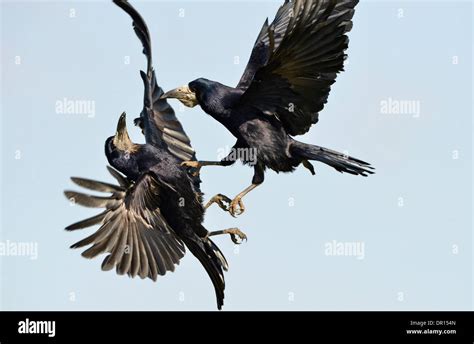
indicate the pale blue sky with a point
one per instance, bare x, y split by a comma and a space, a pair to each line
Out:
417, 256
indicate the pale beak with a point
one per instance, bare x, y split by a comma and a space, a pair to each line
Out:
184, 94
121, 139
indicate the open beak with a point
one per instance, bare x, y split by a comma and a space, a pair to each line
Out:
184, 95
121, 139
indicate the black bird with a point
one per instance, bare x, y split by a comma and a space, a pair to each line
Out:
156, 210
294, 62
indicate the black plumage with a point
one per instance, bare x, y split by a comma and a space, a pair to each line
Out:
294, 62
156, 209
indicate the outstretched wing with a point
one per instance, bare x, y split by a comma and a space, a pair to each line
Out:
132, 230
296, 61
158, 119
267, 42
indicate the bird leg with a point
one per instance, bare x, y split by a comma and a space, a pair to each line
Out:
237, 206
227, 161
221, 201
236, 235
200, 164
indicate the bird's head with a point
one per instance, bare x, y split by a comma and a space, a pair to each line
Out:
119, 149
184, 94
191, 95
121, 141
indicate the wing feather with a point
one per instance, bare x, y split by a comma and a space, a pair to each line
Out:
157, 117
294, 80
137, 238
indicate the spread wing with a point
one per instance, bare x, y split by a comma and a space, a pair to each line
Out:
296, 60
137, 238
158, 119
267, 42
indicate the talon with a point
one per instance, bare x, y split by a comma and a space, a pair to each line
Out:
221, 201
235, 240
237, 207
193, 164
237, 236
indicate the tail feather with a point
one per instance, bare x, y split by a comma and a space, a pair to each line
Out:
339, 161
213, 261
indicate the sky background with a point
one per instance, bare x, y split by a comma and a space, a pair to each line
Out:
413, 218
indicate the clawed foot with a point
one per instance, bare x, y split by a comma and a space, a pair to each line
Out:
193, 164
236, 207
236, 235
222, 201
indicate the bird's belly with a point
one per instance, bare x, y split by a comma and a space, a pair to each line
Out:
268, 146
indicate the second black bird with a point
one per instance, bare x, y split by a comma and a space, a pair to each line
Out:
156, 210
294, 62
